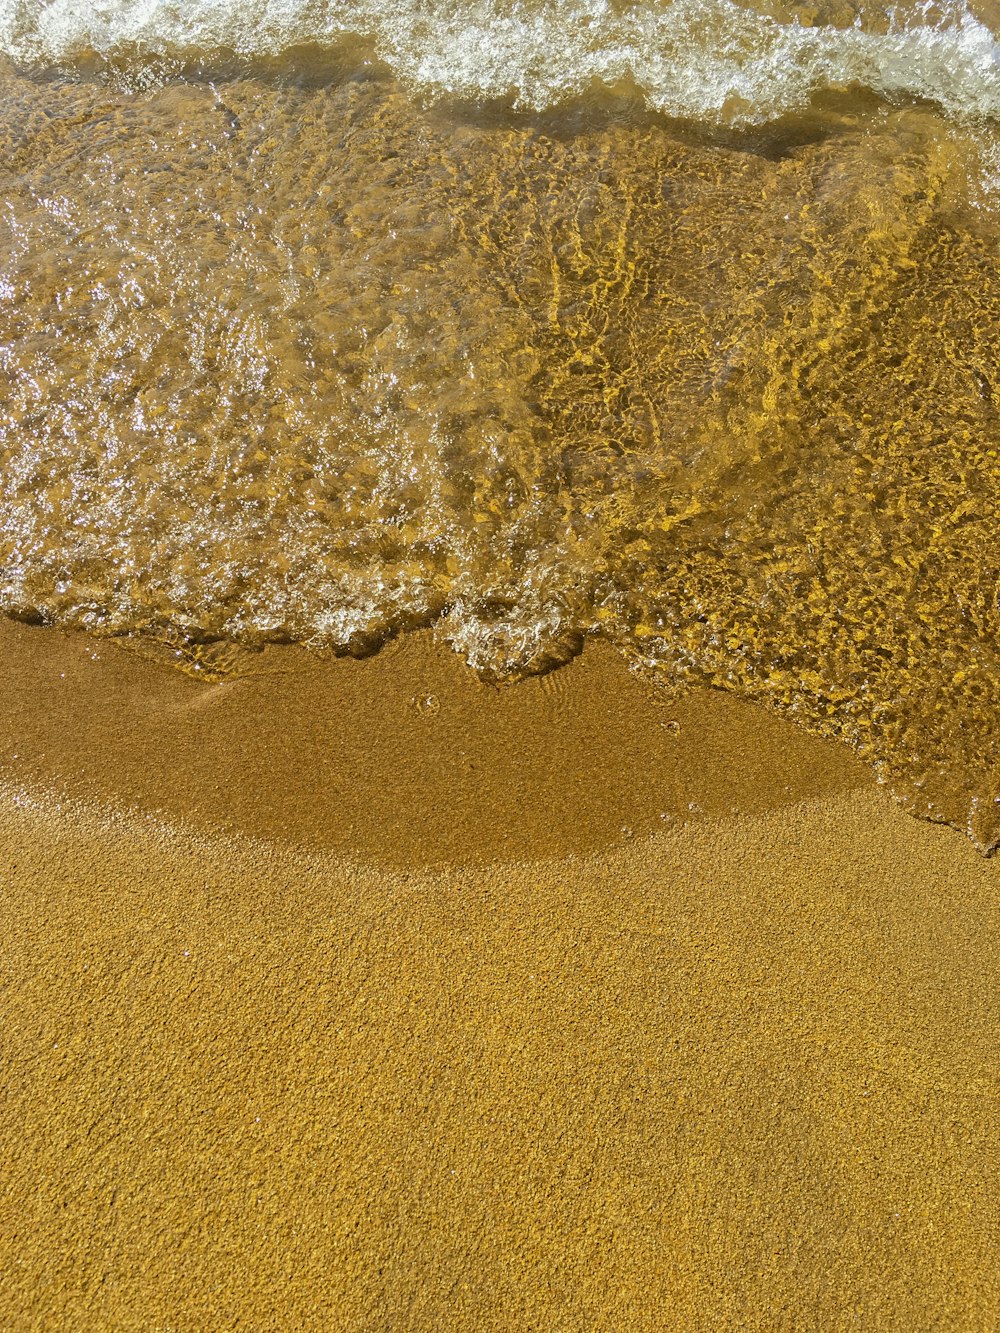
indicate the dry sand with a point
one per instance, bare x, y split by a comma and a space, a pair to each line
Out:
361, 996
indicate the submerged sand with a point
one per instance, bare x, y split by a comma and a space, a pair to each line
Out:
358, 995
311, 358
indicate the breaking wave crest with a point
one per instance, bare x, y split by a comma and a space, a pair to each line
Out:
704, 59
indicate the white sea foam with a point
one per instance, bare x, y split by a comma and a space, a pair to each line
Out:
698, 58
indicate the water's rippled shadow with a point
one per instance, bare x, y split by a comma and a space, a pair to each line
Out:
313, 363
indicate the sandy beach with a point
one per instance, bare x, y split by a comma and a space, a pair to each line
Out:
486, 488
360, 995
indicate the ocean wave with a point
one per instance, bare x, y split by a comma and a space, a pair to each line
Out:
709, 59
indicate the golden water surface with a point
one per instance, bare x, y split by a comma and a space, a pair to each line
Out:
300, 354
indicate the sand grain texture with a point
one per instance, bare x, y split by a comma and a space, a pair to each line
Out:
734, 1072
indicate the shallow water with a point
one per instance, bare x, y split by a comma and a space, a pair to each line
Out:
317, 332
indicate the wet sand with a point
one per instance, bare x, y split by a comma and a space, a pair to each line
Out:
361, 995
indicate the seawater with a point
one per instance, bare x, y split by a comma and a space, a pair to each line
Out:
675, 324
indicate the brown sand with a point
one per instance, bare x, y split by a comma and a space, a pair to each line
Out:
405, 757
428, 1040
